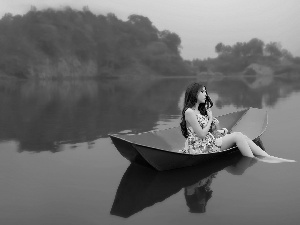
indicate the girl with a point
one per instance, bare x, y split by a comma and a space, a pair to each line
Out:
197, 121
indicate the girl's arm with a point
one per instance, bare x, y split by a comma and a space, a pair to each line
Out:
216, 126
192, 120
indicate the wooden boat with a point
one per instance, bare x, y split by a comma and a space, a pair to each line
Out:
160, 148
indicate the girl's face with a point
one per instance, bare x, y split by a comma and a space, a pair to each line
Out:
202, 95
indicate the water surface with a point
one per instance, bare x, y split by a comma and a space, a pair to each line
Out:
58, 165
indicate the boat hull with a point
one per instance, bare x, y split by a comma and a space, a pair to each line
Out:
164, 160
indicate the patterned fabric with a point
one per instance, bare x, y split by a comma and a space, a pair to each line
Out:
209, 144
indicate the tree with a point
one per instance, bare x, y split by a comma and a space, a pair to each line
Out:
273, 49
255, 47
219, 48
172, 40
141, 22
143, 28
223, 50
7, 18
238, 50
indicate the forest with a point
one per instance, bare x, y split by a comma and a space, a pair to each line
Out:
70, 43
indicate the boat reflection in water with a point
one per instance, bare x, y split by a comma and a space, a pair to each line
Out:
142, 186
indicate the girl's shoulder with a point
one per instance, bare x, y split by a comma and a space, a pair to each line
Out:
190, 111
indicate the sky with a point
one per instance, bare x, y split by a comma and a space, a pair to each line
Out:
201, 24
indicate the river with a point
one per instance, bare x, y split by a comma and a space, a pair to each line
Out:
58, 165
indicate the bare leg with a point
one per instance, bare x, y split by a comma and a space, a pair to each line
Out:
248, 148
261, 155
237, 138
256, 150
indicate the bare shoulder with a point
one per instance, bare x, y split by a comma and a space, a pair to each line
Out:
189, 111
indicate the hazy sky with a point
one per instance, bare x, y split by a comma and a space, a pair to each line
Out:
201, 24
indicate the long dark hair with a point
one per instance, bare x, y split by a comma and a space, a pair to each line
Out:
190, 100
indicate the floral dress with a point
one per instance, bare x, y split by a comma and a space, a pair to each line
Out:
211, 143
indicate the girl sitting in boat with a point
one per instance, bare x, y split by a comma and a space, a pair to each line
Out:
202, 133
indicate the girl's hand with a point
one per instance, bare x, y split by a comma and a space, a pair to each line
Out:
223, 131
209, 113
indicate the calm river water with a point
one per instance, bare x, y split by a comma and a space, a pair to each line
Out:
58, 165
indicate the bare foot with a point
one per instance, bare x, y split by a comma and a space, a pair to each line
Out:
273, 159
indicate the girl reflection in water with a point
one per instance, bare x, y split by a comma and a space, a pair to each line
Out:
203, 135
198, 194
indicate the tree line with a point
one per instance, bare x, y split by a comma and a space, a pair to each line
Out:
64, 43
77, 38
237, 57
